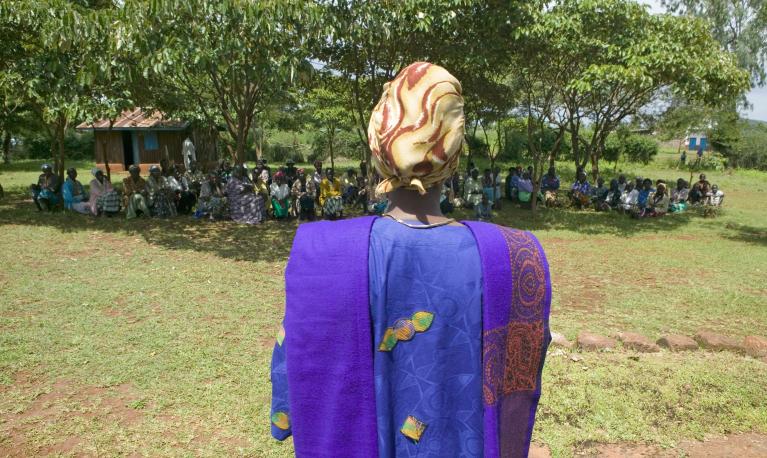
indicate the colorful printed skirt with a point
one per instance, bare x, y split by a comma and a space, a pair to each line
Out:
162, 206
108, 202
333, 205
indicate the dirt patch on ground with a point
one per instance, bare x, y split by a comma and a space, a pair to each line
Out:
748, 445
194, 435
62, 402
585, 294
41, 405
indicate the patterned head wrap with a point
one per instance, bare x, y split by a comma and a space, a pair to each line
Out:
416, 130
155, 168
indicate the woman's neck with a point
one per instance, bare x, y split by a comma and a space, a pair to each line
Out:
408, 205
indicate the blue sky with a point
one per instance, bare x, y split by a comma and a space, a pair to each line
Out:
757, 97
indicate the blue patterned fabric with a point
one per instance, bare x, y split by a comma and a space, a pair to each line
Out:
279, 376
435, 377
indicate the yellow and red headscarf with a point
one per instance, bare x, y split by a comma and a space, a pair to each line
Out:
416, 129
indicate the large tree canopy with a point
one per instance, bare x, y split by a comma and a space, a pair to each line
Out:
230, 58
739, 25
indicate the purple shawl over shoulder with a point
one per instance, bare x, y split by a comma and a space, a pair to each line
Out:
330, 350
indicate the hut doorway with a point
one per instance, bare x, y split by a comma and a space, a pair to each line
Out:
128, 149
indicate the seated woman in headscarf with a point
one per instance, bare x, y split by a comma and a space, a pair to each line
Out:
184, 196
135, 194
161, 194
472, 189
212, 202
304, 192
279, 194
349, 187
103, 197
525, 188
580, 192
679, 196
246, 205
74, 194
659, 202
45, 193
550, 187
330, 195
630, 197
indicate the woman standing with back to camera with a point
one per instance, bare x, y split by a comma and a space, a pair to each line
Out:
412, 334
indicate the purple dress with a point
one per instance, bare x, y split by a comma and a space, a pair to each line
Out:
430, 343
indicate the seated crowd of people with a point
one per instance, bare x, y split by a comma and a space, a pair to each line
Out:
640, 198
227, 192
252, 196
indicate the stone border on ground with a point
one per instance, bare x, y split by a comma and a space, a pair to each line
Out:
753, 346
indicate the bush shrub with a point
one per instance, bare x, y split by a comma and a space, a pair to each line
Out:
77, 145
750, 150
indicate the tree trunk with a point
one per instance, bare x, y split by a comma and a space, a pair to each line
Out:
594, 164
575, 143
62, 127
7, 147
331, 140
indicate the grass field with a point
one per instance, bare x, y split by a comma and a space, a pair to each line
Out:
153, 338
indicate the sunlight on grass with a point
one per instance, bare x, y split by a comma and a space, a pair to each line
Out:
158, 334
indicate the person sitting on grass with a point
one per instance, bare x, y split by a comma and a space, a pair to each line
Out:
643, 199
161, 194
135, 194
660, 201
330, 195
511, 184
304, 193
629, 197
193, 178
599, 193
291, 172
349, 187
696, 196
498, 188
483, 210
472, 189
622, 182
45, 193
679, 196
74, 195
212, 201
264, 172
488, 184
184, 196
104, 200
550, 186
580, 192
361, 198
705, 186
611, 198
715, 197
446, 200
246, 205
279, 194
525, 188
